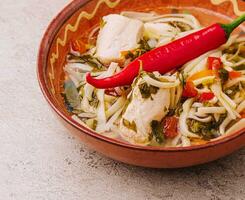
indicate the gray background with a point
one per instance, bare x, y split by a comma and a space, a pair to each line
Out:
40, 160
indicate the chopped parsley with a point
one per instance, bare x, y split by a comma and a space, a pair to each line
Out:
224, 75
86, 59
157, 131
208, 130
94, 102
143, 48
147, 90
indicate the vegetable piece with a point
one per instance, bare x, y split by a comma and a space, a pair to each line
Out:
189, 90
170, 127
163, 59
214, 63
157, 131
224, 75
234, 74
201, 74
206, 131
135, 53
147, 90
78, 45
86, 59
71, 95
206, 96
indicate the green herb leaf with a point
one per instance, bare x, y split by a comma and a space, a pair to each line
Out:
86, 59
208, 130
71, 95
94, 102
240, 67
147, 90
223, 74
157, 131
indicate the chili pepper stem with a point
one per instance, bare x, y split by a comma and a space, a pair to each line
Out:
230, 27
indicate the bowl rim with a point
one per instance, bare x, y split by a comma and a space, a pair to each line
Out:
53, 27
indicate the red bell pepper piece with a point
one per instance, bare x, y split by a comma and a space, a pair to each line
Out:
214, 63
206, 96
234, 74
189, 90
171, 56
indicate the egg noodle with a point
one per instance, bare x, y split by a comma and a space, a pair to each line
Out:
154, 110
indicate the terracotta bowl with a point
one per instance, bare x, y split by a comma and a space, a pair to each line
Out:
76, 21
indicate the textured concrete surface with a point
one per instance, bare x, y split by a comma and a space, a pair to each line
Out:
40, 160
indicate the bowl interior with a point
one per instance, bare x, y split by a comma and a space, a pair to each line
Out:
81, 16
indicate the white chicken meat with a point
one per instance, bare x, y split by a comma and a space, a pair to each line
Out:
118, 34
142, 112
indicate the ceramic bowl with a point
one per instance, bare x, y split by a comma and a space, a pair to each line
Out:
76, 20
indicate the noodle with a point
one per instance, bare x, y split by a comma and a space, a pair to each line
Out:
140, 113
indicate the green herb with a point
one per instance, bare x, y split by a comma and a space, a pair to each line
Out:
231, 49
240, 67
130, 125
94, 102
182, 79
157, 131
223, 74
181, 26
147, 90
143, 48
153, 76
130, 55
86, 59
71, 96
208, 130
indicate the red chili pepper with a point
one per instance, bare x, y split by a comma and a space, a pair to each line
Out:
171, 56
189, 90
170, 127
234, 74
206, 96
214, 63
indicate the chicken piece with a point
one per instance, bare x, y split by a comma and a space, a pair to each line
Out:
135, 125
118, 34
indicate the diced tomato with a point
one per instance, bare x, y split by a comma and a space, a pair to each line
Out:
206, 96
170, 127
78, 45
242, 114
234, 74
214, 63
189, 90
